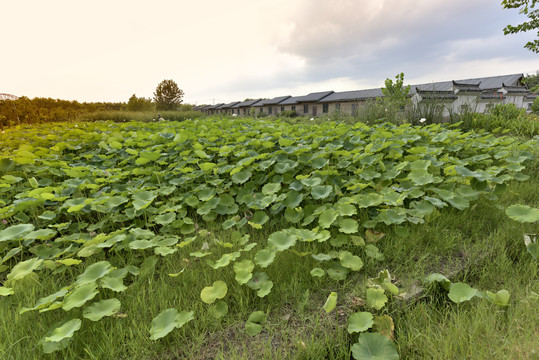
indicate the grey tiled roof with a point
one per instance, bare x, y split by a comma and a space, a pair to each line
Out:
246, 103
491, 82
213, 107
515, 89
439, 95
229, 105
353, 95
314, 97
531, 96
467, 87
291, 100
492, 95
273, 101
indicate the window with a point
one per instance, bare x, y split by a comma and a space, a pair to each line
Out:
354, 109
293, 107
325, 108
270, 109
338, 107
245, 111
282, 108
261, 110
305, 109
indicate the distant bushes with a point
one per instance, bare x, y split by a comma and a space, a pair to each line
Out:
144, 116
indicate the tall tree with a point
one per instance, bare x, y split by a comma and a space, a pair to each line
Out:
167, 95
396, 93
527, 8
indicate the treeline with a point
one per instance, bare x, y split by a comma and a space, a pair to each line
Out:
41, 110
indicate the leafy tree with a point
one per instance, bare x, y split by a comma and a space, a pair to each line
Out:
532, 81
395, 92
167, 95
139, 104
527, 8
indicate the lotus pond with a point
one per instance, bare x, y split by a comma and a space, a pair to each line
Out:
225, 212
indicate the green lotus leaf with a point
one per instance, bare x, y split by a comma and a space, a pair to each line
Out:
165, 219
359, 322
94, 272
260, 218
24, 268
350, 261
293, 215
112, 283
115, 201
45, 301
321, 191
207, 166
47, 215
4, 291
460, 292
374, 346
253, 325
319, 163
337, 272
321, 257
100, 309
80, 296
420, 165
281, 240
241, 177
345, 209
65, 331
243, 270
368, 200
41, 234
143, 199
501, 298
211, 293
218, 310
327, 218
150, 155
392, 216
271, 188
331, 302
348, 226
52, 346
293, 199
520, 213
225, 260
311, 182
15, 232
167, 321
164, 250
376, 298
252, 328
317, 272
142, 244
264, 288
373, 252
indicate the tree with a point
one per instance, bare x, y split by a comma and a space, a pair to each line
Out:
532, 81
396, 93
525, 7
139, 104
168, 95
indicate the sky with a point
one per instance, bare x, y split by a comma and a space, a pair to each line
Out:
222, 51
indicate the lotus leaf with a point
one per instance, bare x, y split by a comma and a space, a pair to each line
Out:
94, 272
24, 268
521, 213
501, 298
15, 232
337, 272
281, 240
317, 272
376, 298
219, 309
100, 309
327, 218
80, 296
113, 283
65, 331
4, 291
384, 325
211, 293
350, 261
359, 322
373, 346
331, 302
167, 321
321, 191
348, 226
460, 292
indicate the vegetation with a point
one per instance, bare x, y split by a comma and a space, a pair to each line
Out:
233, 238
167, 95
140, 104
525, 7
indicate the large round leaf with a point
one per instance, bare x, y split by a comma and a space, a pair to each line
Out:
460, 292
350, 261
94, 272
100, 309
376, 298
359, 322
15, 232
281, 240
167, 321
264, 257
373, 346
211, 293
321, 191
65, 331
80, 296
219, 309
331, 302
523, 213
24, 268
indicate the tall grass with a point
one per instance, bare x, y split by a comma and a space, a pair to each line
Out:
143, 116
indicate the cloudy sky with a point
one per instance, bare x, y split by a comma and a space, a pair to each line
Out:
222, 51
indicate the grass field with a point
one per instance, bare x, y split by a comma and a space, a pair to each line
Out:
224, 238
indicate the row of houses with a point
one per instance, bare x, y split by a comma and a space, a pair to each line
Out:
478, 95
